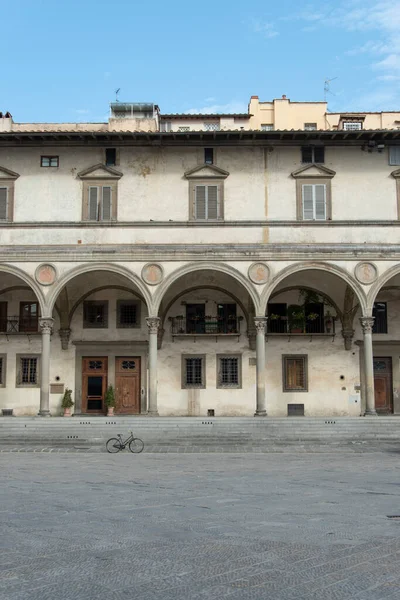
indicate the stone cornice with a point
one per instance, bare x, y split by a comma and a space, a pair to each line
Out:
191, 224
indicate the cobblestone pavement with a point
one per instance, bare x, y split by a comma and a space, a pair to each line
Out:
200, 526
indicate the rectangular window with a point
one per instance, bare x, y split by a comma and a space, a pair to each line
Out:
166, 126
295, 373
128, 313
267, 127
100, 203
227, 318
28, 370
394, 155
211, 126
206, 203
111, 157
229, 371
314, 202
195, 318
3, 203
208, 156
49, 161
352, 125
28, 316
380, 314
2, 370
95, 314
183, 129
193, 371
310, 126
313, 154
277, 317
3, 316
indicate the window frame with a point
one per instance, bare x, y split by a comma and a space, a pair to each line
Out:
328, 197
267, 127
310, 126
50, 158
285, 358
86, 304
233, 386
18, 370
385, 320
129, 302
116, 161
100, 183
189, 386
349, 122
8, 184
3, 371
219, 183
211, 153
313, 149
20, 319
212, 126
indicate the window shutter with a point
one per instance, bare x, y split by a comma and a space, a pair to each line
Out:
307, 154
394, 155
212, 204
308, 204
200, 208
320, 203
319, 154
3, 203
106, 204
92, 207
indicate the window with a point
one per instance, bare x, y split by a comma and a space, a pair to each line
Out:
183, 129
277, 317
380, 314
111, 157
295, 373
310, 126
28, 370
314, 201
211, 126
128, 313
229, 371
100, 203
193, 371
49, 161
95, 314
313, 154
195, 318
267, 127
3, 203
3, 362
394, 155
3, 316
28, 316
352, 125
166, 126
208, 156
207, 202
227, 319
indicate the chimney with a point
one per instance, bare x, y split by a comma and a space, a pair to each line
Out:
6, 121
283, 96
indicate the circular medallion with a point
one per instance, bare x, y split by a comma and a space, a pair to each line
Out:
45, 274
366, 273
259, 273
152, 273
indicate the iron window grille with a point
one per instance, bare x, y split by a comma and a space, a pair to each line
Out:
29, 371
95, 314
128, 313
193, 375
229, 371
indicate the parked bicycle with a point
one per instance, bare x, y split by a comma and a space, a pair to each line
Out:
114, 445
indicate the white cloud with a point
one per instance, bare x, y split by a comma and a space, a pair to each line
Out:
230, 107
265, 28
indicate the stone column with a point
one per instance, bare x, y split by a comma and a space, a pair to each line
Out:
153, 323
46, 327
366, 324
260, 324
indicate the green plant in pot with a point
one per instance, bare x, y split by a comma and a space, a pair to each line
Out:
67, 403
296, 317
109, 400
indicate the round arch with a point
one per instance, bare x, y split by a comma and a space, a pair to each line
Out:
205, 266
32, 284
325, 267
379, 284
88, 268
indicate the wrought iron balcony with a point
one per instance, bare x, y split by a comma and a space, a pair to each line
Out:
283, 326
17, 325
205, 326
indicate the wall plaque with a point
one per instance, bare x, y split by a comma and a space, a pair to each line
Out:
152, 273
366, 273
45, 274
259, 273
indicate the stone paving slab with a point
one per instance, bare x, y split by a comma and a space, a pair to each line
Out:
199, 526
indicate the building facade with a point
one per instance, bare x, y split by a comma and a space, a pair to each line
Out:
202, 264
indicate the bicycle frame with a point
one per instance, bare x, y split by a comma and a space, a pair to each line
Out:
126, 442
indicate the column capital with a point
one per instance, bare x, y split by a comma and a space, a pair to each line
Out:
348, 335
153, 323
367, 323
46, 324
64, 336
260, 324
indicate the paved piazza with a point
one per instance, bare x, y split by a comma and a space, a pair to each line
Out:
200, 526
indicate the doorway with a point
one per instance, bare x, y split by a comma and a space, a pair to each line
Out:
94, 384
127, 385
383, 385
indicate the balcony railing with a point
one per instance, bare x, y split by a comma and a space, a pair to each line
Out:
282, 326
17, 325
205, 326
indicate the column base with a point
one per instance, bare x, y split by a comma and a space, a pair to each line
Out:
152, 413
44, 413
260, 413
370, 413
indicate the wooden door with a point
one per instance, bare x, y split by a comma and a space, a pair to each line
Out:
383, 384
94, 384
127, 385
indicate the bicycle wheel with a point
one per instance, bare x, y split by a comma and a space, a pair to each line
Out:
136, 445
113, 445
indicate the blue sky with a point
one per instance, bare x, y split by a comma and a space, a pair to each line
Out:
63, 60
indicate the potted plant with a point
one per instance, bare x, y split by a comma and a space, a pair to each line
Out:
328, 322
67, 402
109, 400
296, 318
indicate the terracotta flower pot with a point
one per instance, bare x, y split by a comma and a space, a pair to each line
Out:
110, 411
67, 412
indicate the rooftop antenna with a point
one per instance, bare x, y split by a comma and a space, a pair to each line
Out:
327, 87
116, 94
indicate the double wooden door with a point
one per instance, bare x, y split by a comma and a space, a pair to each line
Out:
383, 384
94, 384
127, 385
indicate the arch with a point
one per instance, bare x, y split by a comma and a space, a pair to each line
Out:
310, 289
204, 287
379, 284
325, 267
205, 266
32, 284
99, 289
87, 268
